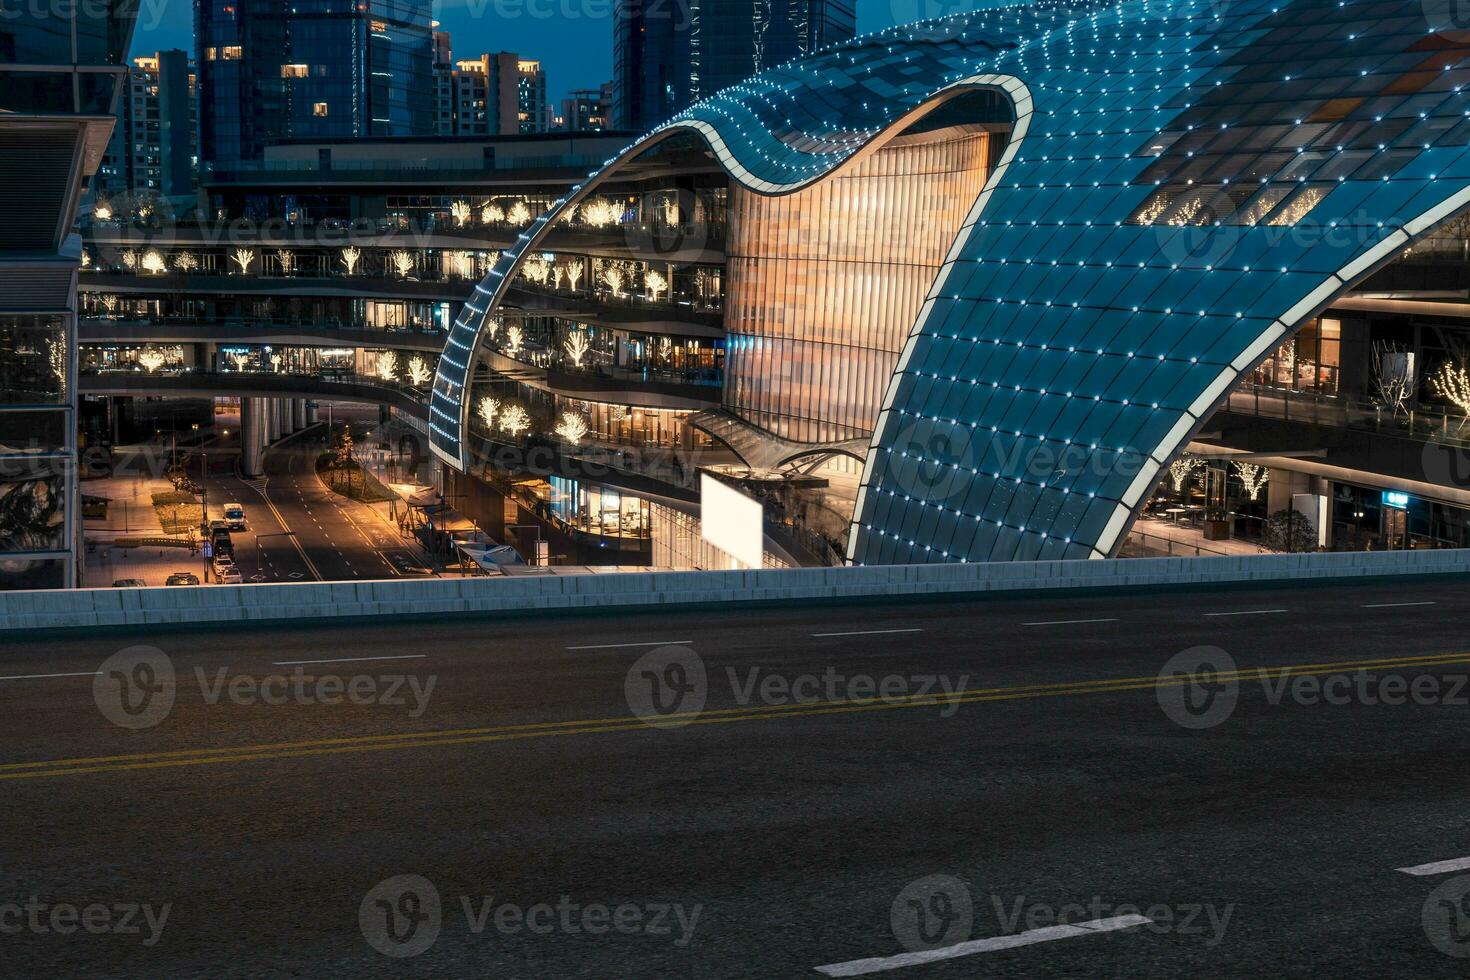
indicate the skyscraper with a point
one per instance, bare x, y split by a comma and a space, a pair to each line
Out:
667, 56
153, 146
533, 111
59, 72
271, 70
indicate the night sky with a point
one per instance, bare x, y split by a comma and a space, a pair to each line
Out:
572, 38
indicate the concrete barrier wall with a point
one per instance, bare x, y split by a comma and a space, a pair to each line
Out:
207, 604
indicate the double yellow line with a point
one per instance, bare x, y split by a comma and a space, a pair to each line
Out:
216, 755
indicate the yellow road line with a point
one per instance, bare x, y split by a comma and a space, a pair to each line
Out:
716, 716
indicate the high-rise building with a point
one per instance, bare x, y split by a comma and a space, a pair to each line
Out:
443, 85
272, 70
533, 111
486, 100
60, 69
587, 110
153, 149
499, 94
668, 56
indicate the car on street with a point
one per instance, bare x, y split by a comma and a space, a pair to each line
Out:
182, 578
235, 517
227, 572
128, 583
221, 543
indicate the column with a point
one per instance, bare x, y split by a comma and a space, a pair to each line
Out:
252, 436
272, 420
298, 414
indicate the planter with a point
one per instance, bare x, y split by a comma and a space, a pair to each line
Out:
1216, 530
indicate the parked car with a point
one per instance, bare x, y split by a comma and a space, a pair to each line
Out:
235, 517
128, 583
227, 572
218, 525
182, 578
222, 543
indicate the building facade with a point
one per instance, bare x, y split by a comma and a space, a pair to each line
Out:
60, 74
666, 57
154, 149
587, 110
331, 69
1047, 355
533, 111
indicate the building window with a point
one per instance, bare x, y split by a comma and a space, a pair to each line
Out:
294, 71
230, 52
318, 108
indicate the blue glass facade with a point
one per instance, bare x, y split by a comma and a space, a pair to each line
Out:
1185, 186
316, 69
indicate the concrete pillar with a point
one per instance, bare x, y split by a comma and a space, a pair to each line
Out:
298, 414
272, 420
311, 414
252, 436
283, 405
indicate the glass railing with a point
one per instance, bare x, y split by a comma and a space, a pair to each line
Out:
1428, 424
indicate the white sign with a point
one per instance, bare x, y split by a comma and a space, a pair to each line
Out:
730, 520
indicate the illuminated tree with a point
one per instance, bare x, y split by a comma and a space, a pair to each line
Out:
460, 210
287, 260
493, 325
350, 255
513, 419
86, 259
185, 262
519, 214
490, 214
243, 257
402, 260
537, 270
600, 213
102, 210
665, 350
655, 283
513, 339
464, 263
109, 303
572, 427
387, 365
1180, 469
239, 359
615, 276
487, 408
56, 357
130, 258
153, 262
577, 345
1452, 383
1252, 477
556, 275
418, 371
151, 358
574, 275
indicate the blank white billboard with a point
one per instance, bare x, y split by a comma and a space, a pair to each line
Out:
730, 520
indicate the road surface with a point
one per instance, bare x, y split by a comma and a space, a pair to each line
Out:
1025, 766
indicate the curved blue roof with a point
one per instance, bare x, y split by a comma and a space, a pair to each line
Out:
1187, 184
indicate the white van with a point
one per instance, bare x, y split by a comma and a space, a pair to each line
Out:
235, 517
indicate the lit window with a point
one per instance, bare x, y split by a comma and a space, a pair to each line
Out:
318, 108
293, 71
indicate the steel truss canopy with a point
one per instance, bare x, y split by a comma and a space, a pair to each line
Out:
1186, 185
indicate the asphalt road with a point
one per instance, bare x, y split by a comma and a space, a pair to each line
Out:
1042, 774
334, 539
